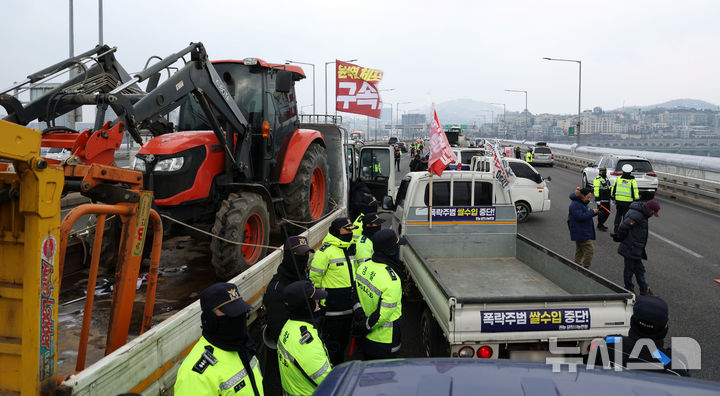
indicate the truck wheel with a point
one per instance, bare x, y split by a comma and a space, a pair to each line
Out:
523, 211
431, 336
306, 196
244, 218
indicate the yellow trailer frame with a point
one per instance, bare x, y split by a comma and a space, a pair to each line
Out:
29, 233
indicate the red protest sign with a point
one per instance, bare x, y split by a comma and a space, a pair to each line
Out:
440, 153
356, 89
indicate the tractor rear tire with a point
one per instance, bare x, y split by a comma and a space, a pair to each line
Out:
244, 218
306, 197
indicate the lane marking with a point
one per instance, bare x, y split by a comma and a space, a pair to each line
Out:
681, 247
684, 205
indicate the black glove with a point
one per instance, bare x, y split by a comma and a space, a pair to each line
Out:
359, 327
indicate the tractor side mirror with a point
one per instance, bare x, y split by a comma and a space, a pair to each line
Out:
388, 203
283, 81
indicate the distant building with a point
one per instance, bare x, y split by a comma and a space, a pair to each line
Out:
413, 125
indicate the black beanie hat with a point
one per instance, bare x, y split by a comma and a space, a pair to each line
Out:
650, 316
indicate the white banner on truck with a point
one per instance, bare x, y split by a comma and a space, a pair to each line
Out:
501, 168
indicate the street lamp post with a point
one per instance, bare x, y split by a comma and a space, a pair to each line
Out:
313, 67
397, 110
376, 120
326, 65
526, 109
579, 62
504, 123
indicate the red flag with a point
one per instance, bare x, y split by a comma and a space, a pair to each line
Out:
356, 89
440, 153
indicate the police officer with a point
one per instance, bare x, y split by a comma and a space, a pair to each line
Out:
649, 326
292, 269
624, 191
302, 357
222, 362
380, 294
602, 197
364, 246
529, 156
367, 204
398, 155
333, 268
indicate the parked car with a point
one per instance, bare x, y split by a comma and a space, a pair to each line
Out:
474, 376
643, 172
530, 191
542, 155
402, 146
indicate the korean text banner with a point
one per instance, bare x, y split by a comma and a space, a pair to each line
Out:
501, 169
535, 320
357, 89
440, 153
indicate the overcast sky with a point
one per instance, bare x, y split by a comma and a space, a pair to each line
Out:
633, 52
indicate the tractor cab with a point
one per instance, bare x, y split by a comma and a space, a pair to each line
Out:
265, 93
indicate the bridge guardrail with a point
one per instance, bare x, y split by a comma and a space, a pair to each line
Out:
700, 192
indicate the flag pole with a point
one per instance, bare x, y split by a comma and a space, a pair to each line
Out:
431, 202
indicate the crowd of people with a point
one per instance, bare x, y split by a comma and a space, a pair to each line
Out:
631, 223
349, 292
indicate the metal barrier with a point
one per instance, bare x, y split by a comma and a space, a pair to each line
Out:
117, 335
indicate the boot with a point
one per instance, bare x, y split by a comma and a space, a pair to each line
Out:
647, 292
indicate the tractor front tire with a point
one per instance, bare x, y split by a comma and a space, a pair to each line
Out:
243, 218
306, 197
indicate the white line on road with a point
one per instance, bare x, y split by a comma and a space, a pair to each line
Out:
681, 247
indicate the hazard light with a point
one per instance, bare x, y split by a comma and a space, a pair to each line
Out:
652, 174
265, 129
466, 352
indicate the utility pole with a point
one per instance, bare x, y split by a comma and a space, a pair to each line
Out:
71, 115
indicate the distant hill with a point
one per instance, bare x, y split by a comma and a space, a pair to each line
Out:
679, 103
465, 111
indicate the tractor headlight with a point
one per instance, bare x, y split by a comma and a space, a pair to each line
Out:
139, 164
170, 164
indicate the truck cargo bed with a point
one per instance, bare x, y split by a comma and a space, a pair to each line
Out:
501, 277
